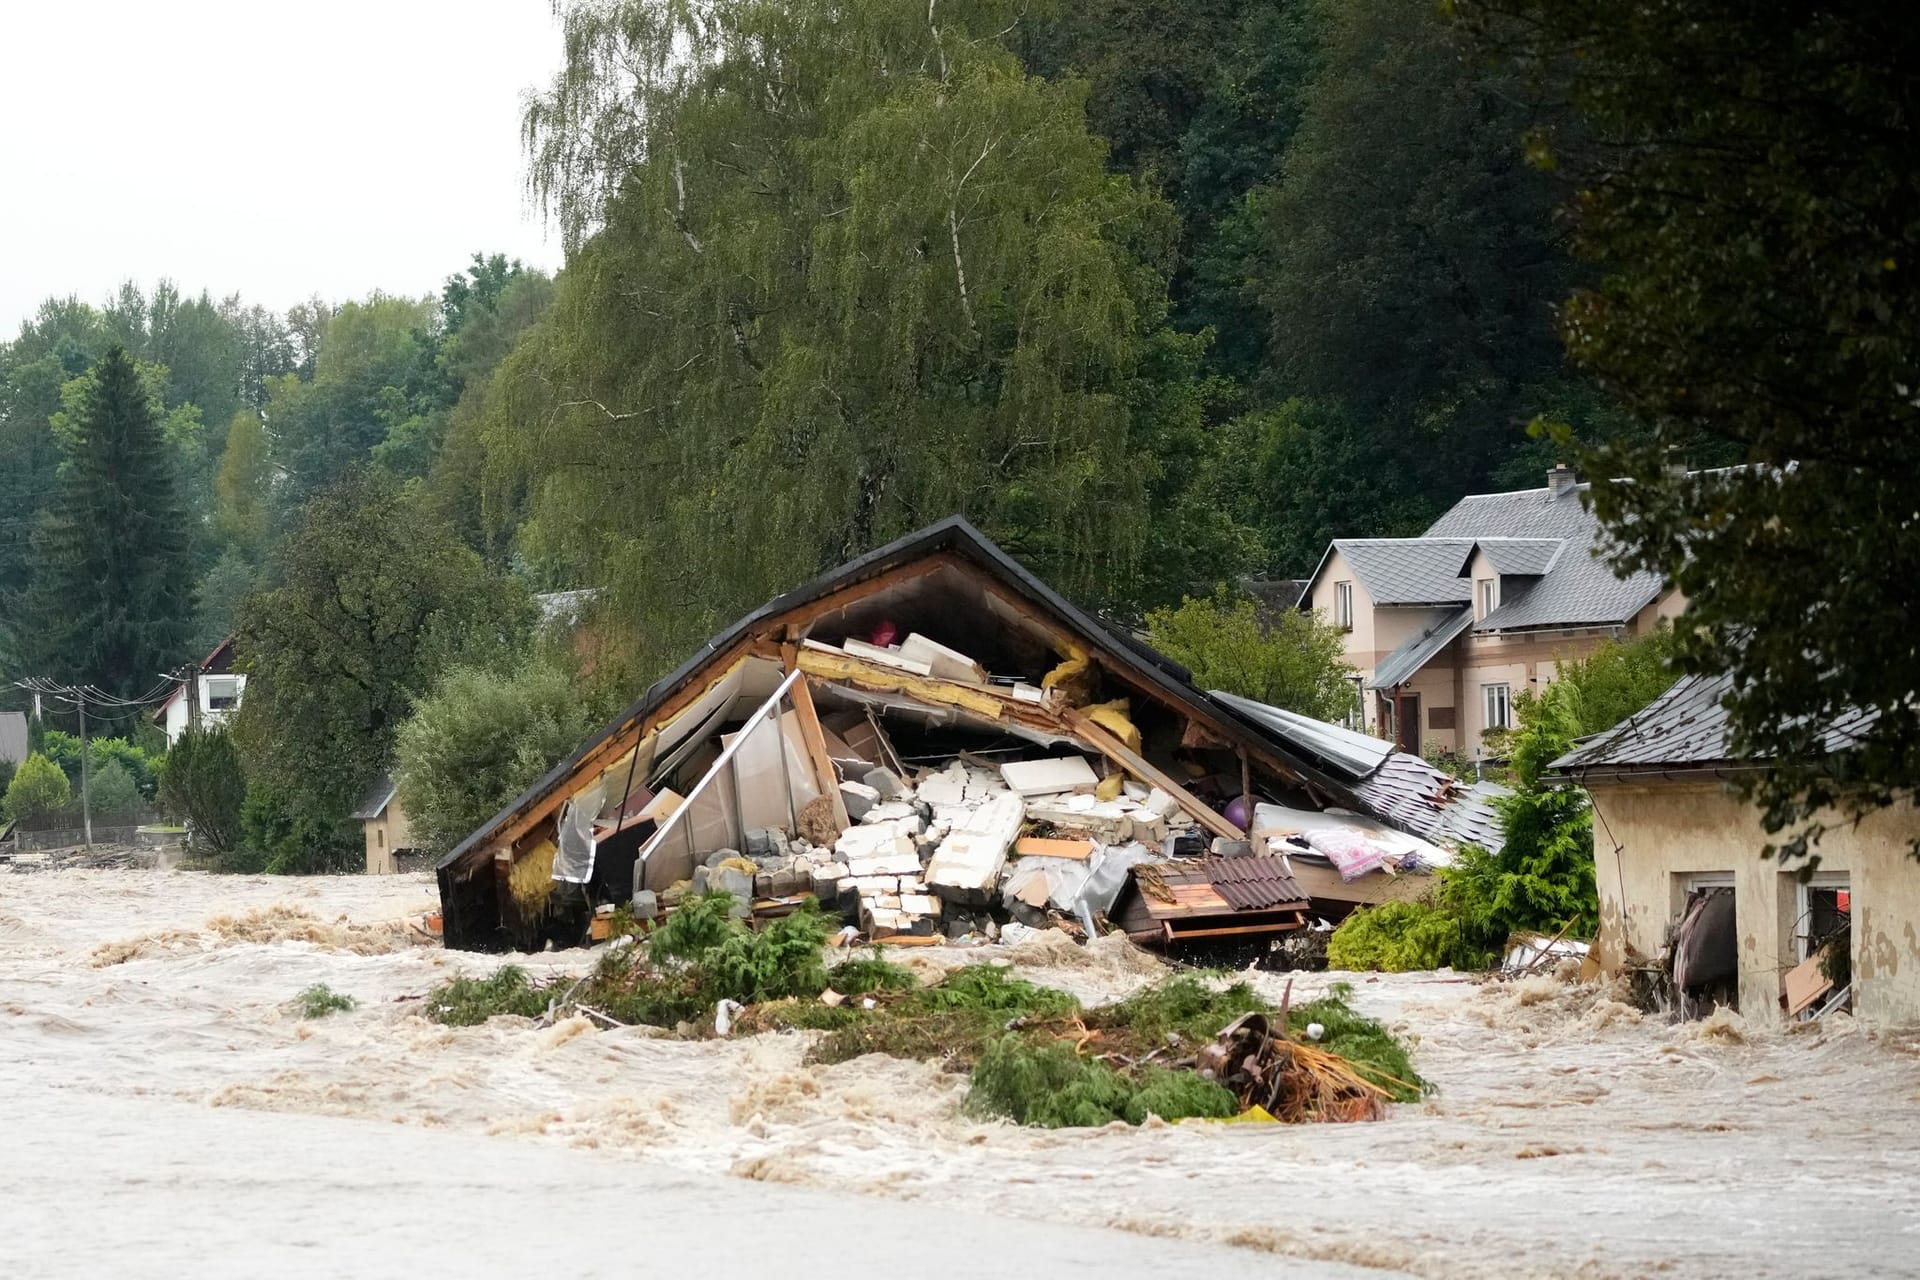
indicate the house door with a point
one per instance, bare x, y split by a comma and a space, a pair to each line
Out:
1406, 723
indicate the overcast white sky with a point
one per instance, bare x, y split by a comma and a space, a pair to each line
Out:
263, 147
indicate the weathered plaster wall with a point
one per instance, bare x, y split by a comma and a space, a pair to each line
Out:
384, 835
1667, 830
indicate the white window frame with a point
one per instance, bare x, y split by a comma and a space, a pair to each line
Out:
1803, 901
1504, 720
1343, 605
1486, 594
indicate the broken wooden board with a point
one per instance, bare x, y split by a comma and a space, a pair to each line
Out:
1805, 983
1143, 769
1040, 847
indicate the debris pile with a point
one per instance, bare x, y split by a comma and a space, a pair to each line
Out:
932, 745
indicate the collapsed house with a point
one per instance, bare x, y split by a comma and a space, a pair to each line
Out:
932, 742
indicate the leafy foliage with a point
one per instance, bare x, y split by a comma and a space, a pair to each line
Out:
1365, 1042
1050, 1086
1742, 175
321, 1001
1294, 660
38, 788
278, 834
1396, 937
468, 1002
375, 600
863, 975
479, 738
203, 783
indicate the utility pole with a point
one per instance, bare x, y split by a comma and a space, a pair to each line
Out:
86, 776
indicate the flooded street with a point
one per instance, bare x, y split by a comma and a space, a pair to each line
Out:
162, 1099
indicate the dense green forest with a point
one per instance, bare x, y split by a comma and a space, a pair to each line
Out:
1162, 296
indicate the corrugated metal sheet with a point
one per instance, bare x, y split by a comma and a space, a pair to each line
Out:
1432, 804
1342, 750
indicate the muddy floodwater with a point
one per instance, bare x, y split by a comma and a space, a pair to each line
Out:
165, 1111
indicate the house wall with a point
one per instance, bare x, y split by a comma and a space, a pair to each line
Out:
1667, 830
384, 835
179, 716
1525, 661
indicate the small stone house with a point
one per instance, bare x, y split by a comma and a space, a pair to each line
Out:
1448, 629
1675, 850
384, 823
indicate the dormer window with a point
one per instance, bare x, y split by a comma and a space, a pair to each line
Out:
1486, 597
1343, 605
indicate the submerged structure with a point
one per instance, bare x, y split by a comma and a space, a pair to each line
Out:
932, 741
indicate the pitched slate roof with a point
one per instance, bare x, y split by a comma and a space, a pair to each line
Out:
1409, 570
1528, 557
1685, 727
1546, 538
1400, 666
374, 802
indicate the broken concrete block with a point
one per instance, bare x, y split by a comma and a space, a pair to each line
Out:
737, 883
1048, 777
886, 864
1225, 848
767, 842
763, 885
1162, 803
646, 904
942, 662
699, 883
946, 788
920, 904
858, 797
719, 856
966, 868
787, 883
826, 882
887, 783
894, 811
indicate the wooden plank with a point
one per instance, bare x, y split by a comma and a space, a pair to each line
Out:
1040, 847
824, 773
1145, 771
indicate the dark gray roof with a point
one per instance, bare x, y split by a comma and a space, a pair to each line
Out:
374, 802
1409, 570
1399, 666
1527, 557
13, 737
1685, 727
1524, 513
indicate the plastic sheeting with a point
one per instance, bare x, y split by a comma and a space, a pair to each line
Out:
574, 861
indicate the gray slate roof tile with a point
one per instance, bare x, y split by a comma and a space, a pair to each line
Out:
1685, 726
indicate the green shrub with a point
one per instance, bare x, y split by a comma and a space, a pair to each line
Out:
1048, 1085
202, 784
111, 789
781, 960
692, 929
38, 788
864, 975
1181, 1010
468, 1002
1396, 937
320, 1000
992, 989
479, 739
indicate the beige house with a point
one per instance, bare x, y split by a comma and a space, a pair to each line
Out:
1446, 630
384, 823
1678, 862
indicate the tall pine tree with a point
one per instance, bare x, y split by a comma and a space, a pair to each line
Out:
112, 597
